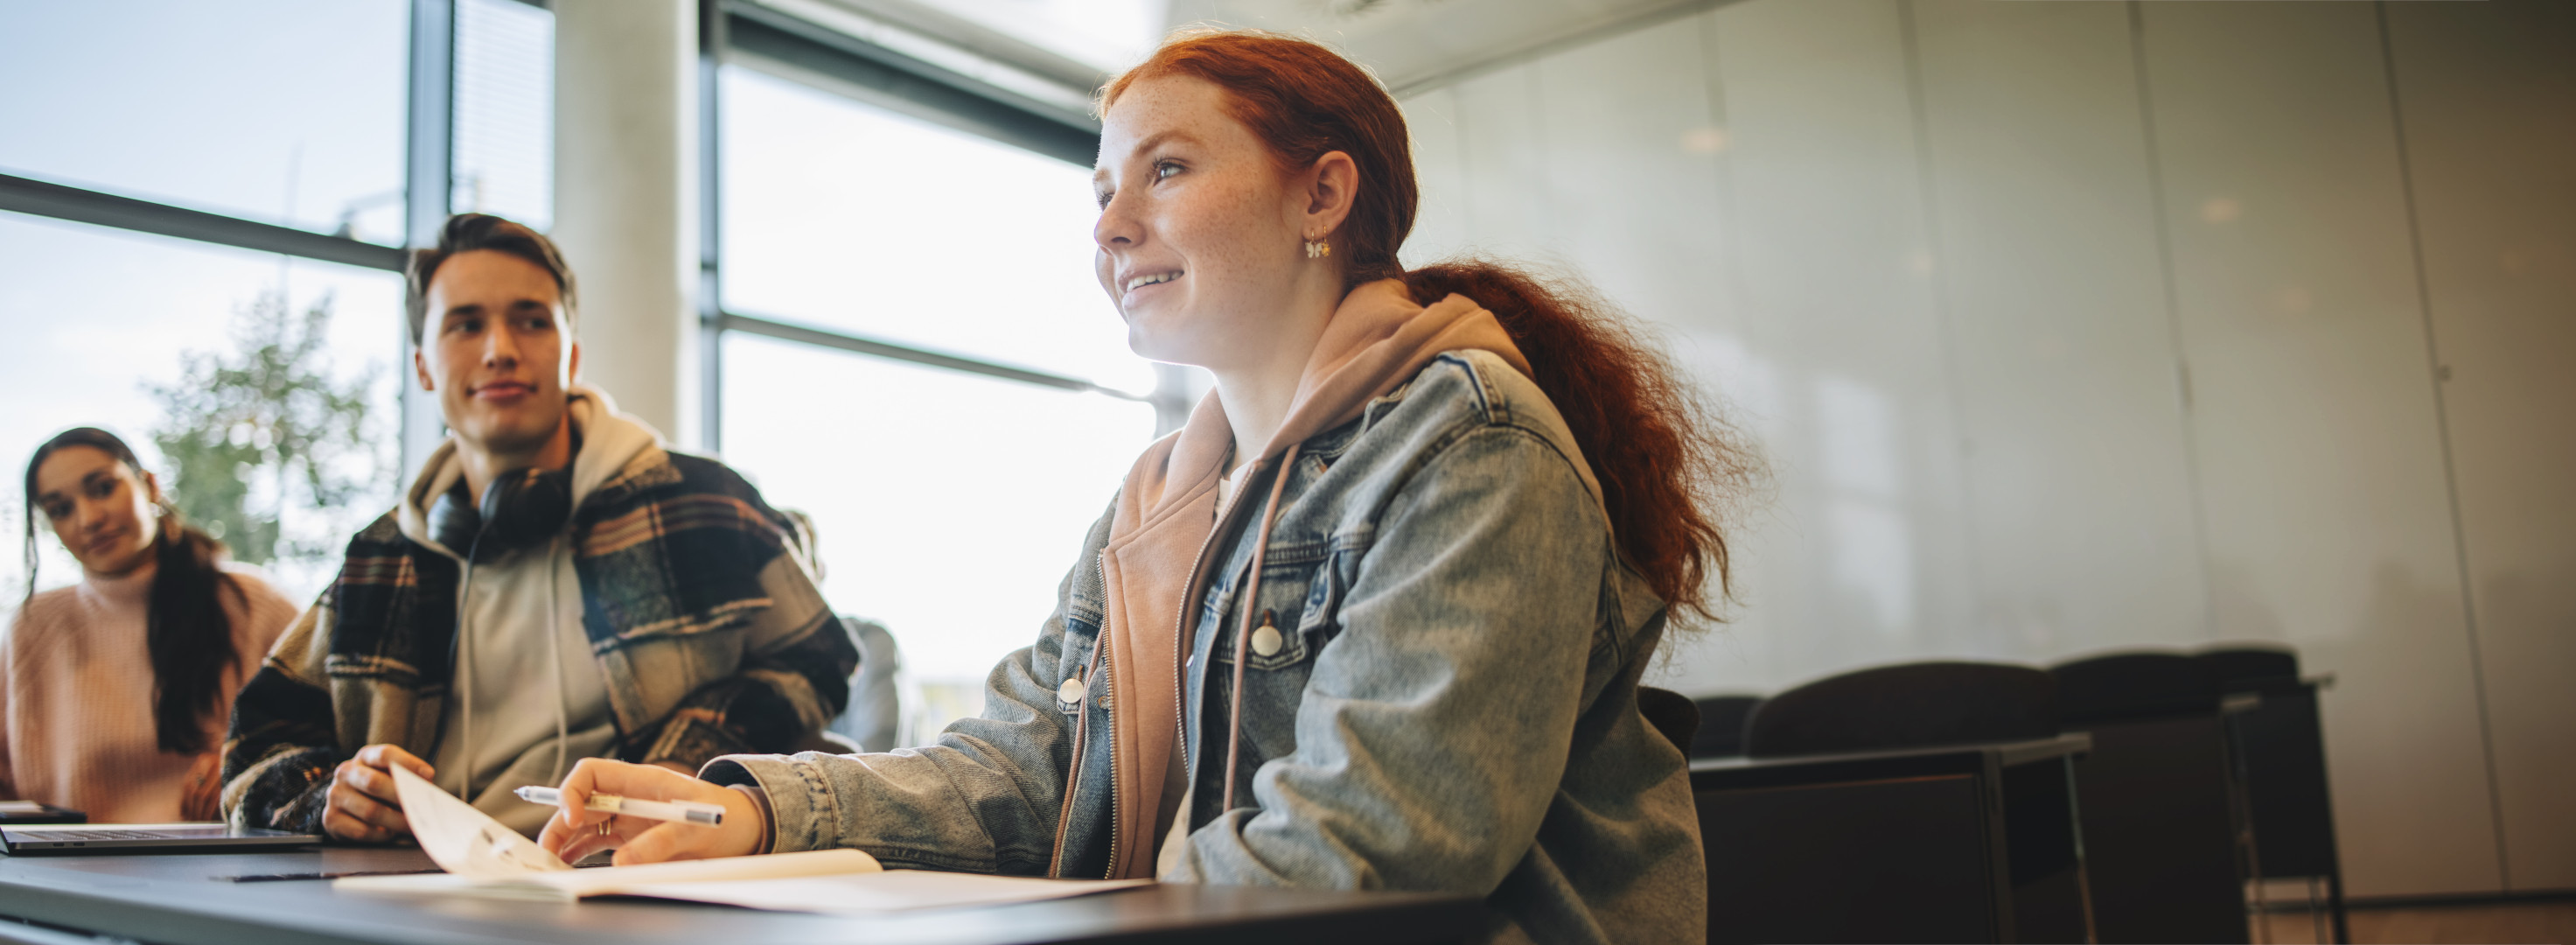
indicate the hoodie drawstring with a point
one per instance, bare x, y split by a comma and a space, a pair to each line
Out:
554, 653
465, 672
1243, 635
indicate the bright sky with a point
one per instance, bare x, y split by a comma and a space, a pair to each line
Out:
949, 505
276, 110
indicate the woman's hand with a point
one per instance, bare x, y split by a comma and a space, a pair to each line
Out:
201, 798
575, 832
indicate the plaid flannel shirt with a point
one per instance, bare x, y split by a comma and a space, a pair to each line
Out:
671, 555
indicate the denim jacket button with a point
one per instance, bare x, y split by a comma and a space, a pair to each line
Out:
1265, 641
1072, 691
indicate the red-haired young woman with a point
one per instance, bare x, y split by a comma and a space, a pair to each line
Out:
1374, 618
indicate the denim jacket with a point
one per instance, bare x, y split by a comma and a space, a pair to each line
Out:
1451, 705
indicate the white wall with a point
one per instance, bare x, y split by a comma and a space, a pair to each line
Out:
2489, 104
2071, 327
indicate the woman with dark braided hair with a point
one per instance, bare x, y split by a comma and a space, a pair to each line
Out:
118, 688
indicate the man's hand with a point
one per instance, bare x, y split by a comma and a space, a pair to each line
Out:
363, 804
574, 832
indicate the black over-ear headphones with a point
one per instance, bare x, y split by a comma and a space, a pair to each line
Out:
521, 509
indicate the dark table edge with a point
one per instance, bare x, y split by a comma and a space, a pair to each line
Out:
2008, 753
1442, 918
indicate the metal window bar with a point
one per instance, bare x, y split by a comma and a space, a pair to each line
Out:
63, 202
784, 331
429, 182
908, 84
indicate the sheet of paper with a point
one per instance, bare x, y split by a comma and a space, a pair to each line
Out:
724, 871
21, 808
574, 884
465, 841
485, 858
889, 891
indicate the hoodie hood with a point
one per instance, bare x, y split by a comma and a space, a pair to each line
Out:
1377, 340
610, 442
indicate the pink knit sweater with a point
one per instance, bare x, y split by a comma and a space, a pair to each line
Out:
76, 682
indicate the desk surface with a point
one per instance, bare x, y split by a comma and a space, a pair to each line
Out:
2010, 753
185, 899
1788, 770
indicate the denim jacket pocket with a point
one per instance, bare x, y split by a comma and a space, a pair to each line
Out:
1301, 604
1321, 617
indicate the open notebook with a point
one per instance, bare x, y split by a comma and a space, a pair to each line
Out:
485, 859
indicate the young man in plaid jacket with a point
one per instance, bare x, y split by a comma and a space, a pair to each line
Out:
554, 585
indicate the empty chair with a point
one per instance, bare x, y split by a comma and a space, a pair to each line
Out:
2161, 811
1909, 706
2253, 668
881, 693
2280, 755
2134, 686
1721, 726
1832, 829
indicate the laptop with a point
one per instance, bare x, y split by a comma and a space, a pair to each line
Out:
20, 840
31, 812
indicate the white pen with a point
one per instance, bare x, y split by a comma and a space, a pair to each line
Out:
683, 812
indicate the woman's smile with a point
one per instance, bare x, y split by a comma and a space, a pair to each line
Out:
1156, 278
1145, 286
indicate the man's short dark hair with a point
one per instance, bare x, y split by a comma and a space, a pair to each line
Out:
467, 232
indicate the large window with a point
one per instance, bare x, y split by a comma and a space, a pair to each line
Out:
102, 327
279, 111
906, 341
504, 103
949, 492
187, 187
850, 217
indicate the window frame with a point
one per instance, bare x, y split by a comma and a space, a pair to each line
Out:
746, 34
737, 32
428, 178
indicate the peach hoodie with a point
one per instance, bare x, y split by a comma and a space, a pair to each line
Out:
1166, 515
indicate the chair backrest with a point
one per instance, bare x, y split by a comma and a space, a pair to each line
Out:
1721, 726
2253, 668
874, 718
2134, 686
1909, 706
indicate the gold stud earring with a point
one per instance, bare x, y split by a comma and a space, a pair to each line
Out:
1318, 249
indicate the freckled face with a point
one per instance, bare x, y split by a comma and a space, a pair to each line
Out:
1199, 233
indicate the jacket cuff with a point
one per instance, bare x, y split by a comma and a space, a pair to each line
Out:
797, 799
768, 834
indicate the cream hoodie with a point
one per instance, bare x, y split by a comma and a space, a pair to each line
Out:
524, 665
